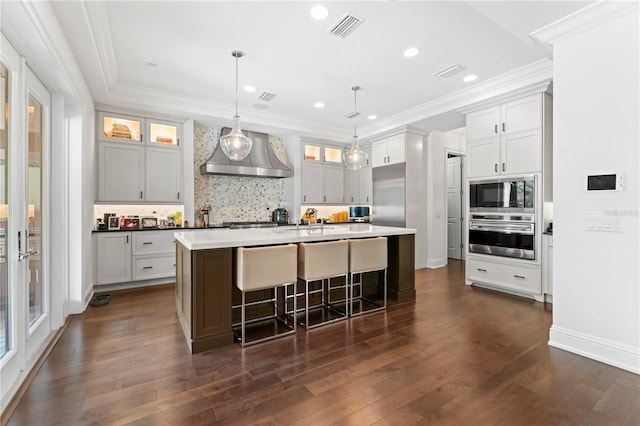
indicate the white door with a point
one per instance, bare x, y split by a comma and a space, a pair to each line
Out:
454, 207
25, 320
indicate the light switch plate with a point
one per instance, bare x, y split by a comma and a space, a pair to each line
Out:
603, 224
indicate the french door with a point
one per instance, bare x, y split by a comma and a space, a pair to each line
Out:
25, 321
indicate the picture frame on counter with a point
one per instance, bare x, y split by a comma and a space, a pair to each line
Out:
131, 223
114, 223
149, 222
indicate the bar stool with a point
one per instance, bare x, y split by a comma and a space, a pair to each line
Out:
262, 268
323, 262
367, 255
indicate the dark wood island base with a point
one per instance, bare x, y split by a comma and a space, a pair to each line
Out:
204, 288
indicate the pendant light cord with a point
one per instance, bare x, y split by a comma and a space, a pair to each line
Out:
236, 116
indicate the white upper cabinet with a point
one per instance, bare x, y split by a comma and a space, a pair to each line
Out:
317, 152
506, 139
139, 159
390, 150
312, 183
333, 184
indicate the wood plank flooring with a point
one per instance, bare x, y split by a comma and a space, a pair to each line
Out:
457, 355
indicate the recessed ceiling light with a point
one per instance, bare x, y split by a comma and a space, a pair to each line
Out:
411, 52
372, 117
154, 66
318, 105
319, 12
470, 78
249, 89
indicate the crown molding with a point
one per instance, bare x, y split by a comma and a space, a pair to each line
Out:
534, 76
96, 18
583, 20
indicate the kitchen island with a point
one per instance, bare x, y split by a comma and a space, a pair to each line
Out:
205, 273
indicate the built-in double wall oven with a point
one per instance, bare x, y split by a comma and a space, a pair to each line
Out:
502, 217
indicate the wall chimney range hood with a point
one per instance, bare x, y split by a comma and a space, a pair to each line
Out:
261, 161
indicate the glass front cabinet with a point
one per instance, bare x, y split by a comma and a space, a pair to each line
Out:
322, 153
139, 159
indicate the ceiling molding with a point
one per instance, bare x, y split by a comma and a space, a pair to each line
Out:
96, 15
512, 83
583, 20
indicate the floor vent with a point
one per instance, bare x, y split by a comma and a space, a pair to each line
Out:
266, 96
345, 25
449, 71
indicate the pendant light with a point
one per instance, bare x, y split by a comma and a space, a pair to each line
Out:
235, 144
354, 158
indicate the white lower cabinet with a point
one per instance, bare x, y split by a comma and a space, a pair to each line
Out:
112, 257
504, 273
123, 257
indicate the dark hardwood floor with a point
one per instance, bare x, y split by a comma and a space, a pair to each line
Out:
458, 355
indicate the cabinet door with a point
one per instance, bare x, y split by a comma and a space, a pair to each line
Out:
332, 155
333, 184
521, 152
522, 114
312, 152
483, 157
353, 183
163, 133
163, 175
119, 128
120, 172
483, 124
366, 185
379, 153
312, 181
396, 148
113, 257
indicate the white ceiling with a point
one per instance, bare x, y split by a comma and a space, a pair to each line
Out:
290, 54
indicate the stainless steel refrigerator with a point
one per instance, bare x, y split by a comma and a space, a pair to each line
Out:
389, 195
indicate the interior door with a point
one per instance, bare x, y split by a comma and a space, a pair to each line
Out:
454, 207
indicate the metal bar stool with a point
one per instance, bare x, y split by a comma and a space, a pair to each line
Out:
262, 268
367, 255
324, 262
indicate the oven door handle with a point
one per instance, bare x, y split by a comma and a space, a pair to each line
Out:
511, 229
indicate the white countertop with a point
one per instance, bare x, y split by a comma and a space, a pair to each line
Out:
224, 238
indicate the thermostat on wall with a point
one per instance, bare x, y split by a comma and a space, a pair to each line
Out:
604, 182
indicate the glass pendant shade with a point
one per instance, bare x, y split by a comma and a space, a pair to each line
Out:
235, 144
354, 158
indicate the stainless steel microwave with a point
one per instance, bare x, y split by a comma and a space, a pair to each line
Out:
503, 195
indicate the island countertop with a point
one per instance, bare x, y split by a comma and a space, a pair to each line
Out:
226, 238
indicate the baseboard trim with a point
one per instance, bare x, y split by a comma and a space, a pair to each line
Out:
29, 374
612, 353
436, 263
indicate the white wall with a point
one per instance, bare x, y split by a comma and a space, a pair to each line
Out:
596, 279
438, 145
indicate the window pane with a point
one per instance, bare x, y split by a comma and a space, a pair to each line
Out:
5, 343
34, 241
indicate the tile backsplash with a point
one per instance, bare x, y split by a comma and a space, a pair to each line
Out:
234, 198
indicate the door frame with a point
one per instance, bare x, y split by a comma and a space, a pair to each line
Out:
463, 202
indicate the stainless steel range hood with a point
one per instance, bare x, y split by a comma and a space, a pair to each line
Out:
261, 161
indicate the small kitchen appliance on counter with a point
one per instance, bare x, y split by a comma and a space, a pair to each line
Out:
359, 214
280, 216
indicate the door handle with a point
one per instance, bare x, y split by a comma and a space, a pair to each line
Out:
495, 128
519, 276
481, 270
147, 267
504, 167
504, 128
147, 242
495, 167
23, 256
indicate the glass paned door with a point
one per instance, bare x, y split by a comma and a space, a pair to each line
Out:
5, 313
34, 209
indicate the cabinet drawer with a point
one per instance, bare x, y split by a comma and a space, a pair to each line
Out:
153, 242
515, 277
146, 268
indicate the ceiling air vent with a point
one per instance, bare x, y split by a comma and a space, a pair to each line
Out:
266, 96
352, 114
345, 25
449, 71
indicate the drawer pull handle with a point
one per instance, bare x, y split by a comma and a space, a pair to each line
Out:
146, 243
519, 276
482, 270
147, 267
